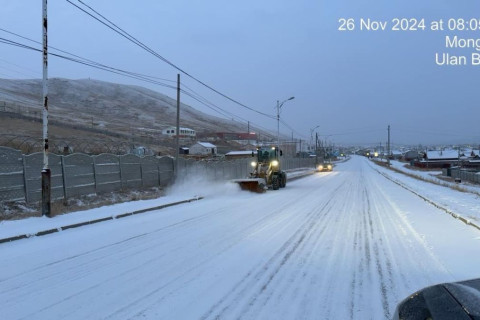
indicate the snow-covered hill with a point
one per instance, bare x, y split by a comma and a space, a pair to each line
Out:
115, 107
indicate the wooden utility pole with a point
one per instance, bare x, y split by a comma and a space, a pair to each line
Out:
388, 147
177, 140
46, 174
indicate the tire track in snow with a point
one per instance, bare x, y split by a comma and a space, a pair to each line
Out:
190, 275
261, 277
390, 224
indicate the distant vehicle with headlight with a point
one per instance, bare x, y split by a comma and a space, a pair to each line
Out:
324, 167
266, 171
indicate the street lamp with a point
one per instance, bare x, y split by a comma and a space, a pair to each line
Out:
279, 106
311, 136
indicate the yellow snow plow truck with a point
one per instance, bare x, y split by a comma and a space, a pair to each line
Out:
266, 173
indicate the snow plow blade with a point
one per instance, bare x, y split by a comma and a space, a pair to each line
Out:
253, 185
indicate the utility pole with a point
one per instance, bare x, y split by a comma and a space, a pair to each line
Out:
248, 130
279, 105
388, 147
316, 149
46, 174
177, 139
278, 125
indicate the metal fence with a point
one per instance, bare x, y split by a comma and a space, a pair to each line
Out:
464, 175
81, 174
78, 174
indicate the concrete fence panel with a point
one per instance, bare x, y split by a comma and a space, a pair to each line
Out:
79, 175
166, 170
12, 182
131, 171
107, 173
150, 173
33, 176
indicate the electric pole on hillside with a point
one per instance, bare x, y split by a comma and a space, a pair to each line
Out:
177, 139
388, 146
46, 174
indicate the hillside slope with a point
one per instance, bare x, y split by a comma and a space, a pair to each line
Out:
121, 112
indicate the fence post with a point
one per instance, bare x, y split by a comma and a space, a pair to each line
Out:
25, 184
141, 171
94, 173
120, 169
158, 172
64, 178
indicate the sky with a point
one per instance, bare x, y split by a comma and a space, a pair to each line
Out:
348, 85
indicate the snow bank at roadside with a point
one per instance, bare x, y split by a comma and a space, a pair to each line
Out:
463, 204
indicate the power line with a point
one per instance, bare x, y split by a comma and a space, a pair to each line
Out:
146, 78
289, 127
18, 67
100, 66
131, 38
97, 65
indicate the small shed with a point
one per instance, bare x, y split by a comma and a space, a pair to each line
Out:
411, 155
396, 154
203, 148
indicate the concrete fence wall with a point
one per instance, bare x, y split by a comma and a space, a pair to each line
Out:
78, 174
464, 175
81, 174
231, 169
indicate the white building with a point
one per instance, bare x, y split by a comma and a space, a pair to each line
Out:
184, 132
203, 148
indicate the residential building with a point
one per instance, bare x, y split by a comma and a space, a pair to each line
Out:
203, 148
184, 132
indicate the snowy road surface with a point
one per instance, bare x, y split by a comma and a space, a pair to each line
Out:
349, 244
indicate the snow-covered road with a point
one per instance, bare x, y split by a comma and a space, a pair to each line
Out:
349, 244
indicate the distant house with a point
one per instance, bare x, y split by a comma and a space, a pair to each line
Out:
440, 159
411, 155
442, 155
475, 154
203, 148
184, 132
396, 154
239, 154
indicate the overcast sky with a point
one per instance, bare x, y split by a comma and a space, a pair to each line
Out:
352, 85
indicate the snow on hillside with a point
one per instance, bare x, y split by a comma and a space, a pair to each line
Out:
116, 105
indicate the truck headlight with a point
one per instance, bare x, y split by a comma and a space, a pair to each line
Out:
320, 167
274, 163
253, 164
329, 167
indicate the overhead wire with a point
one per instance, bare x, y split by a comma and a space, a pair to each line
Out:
137, 76
114, 27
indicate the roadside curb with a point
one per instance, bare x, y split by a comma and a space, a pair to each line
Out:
81, 224
453, 214
303, 175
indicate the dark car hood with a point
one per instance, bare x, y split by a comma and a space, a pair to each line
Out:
457, 300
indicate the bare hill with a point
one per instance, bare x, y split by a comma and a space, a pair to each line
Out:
100, 110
